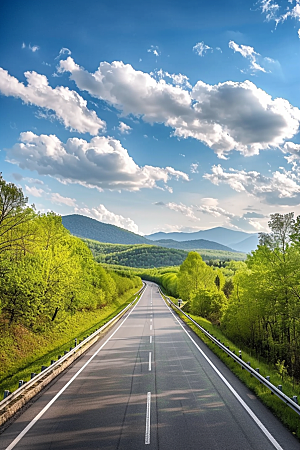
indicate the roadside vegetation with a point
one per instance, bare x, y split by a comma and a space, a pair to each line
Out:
48, 278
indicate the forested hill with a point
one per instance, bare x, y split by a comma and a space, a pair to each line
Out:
86, 227
192, 245
144, 256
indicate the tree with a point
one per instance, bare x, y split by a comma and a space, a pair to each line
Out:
193, 275
15, 217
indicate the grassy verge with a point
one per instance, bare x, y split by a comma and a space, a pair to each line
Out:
23, 352
287, 416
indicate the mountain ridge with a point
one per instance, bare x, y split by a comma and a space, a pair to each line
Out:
86, 227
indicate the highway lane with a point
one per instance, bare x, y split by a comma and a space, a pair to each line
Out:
147, 385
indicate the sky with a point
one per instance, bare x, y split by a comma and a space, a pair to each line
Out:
153, 116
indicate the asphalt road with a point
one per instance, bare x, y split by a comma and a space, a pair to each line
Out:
150, 383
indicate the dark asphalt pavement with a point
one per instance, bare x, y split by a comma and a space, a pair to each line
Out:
148, 387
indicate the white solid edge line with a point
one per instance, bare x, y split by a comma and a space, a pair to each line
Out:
148, 417
149, 361
237, 396
42, 412
150, 339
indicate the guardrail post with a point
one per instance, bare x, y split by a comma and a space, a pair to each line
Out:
65, 352
21, 382
75, 342
257, 369
280, 387
6, 393
52, 361
59, 356
32, 375
240, 354
267, 378
295, 398
43, 368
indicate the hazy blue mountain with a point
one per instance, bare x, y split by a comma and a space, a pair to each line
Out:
221, 235
247, 245
86, 227
192, 245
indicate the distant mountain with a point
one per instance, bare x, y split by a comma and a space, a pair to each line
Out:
247, 245
221, 235
86, 227
192, 245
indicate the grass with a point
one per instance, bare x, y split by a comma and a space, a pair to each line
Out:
283, 412
23, 352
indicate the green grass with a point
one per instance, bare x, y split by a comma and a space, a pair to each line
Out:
284, 413
23, 352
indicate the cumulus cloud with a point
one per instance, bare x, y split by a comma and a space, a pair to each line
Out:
68, 106
280, 188
60, 200
214, 114
292, 151
124, 128
177, 79
103, 215
201, 48
34, 191
102, 163
188, 211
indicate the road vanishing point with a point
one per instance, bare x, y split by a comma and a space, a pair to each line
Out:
150, 383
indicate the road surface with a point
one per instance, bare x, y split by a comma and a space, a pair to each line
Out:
150, 383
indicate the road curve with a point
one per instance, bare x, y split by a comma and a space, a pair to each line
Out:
150, 383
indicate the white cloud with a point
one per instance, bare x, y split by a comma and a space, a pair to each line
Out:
60, 200
247, 52
103, 215
213, 114
63, 51
102, 163
201, 48
280, 188
188, 211
177, 79
194, 167
33, 48
34, 191
257, 62
210, 206
274, 12
154, 49
69, 107
124, 128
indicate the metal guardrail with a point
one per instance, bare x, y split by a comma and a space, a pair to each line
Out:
29, 384
292, 403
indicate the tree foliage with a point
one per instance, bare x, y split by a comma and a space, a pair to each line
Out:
46, 273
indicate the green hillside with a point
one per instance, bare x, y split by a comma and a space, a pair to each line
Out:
85, 227
140, 255
147, 256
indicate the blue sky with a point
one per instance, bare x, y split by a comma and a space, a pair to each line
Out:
158, 116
